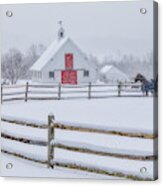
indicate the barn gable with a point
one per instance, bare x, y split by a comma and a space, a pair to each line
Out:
54, 61
56, 58
48, 54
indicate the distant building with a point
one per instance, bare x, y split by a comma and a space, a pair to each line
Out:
63, 62
110, 73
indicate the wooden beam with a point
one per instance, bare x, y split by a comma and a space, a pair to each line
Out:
104, 131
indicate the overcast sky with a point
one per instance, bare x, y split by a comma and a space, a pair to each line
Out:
99, 28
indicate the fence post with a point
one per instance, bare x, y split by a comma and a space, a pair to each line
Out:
50, 138
119, 88
26, 92
59, 91
1, 94
89, 90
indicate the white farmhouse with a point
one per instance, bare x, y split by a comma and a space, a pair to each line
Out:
63, 62
109, 73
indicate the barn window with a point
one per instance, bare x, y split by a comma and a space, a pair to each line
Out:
51, 75
40, 75
86, 73
61, 34
34, 74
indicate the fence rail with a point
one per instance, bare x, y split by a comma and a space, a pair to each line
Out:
51, 143
22, 122
80, 148
97, 170
79, 167
58, 91
95, 150
19, 155
23, 139
103, 130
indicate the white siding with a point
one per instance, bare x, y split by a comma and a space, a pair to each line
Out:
57, 62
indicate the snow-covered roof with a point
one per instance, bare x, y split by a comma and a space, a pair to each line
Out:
113, 73
52, 50
105, 69
47, 55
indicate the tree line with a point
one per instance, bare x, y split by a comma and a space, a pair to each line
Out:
15, 65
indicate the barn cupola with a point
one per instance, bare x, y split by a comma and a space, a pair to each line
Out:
61, 31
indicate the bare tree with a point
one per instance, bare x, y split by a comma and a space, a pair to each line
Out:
33, 53
13, 66
93, 59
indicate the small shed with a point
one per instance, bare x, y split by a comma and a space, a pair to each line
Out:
63, 62
110, 73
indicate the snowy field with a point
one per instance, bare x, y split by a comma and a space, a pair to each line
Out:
130, 113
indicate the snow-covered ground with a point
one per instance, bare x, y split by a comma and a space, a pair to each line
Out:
134, 113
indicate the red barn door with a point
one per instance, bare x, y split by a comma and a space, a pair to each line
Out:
69, 76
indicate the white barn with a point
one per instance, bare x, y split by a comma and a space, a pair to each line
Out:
63, 62
110, 73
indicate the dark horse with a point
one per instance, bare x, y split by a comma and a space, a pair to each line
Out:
147, 86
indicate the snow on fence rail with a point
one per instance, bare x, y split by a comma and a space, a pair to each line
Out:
103, 130
52, 143
56, 92
24, 122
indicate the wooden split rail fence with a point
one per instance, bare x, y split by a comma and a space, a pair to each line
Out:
57, 91
51, 143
